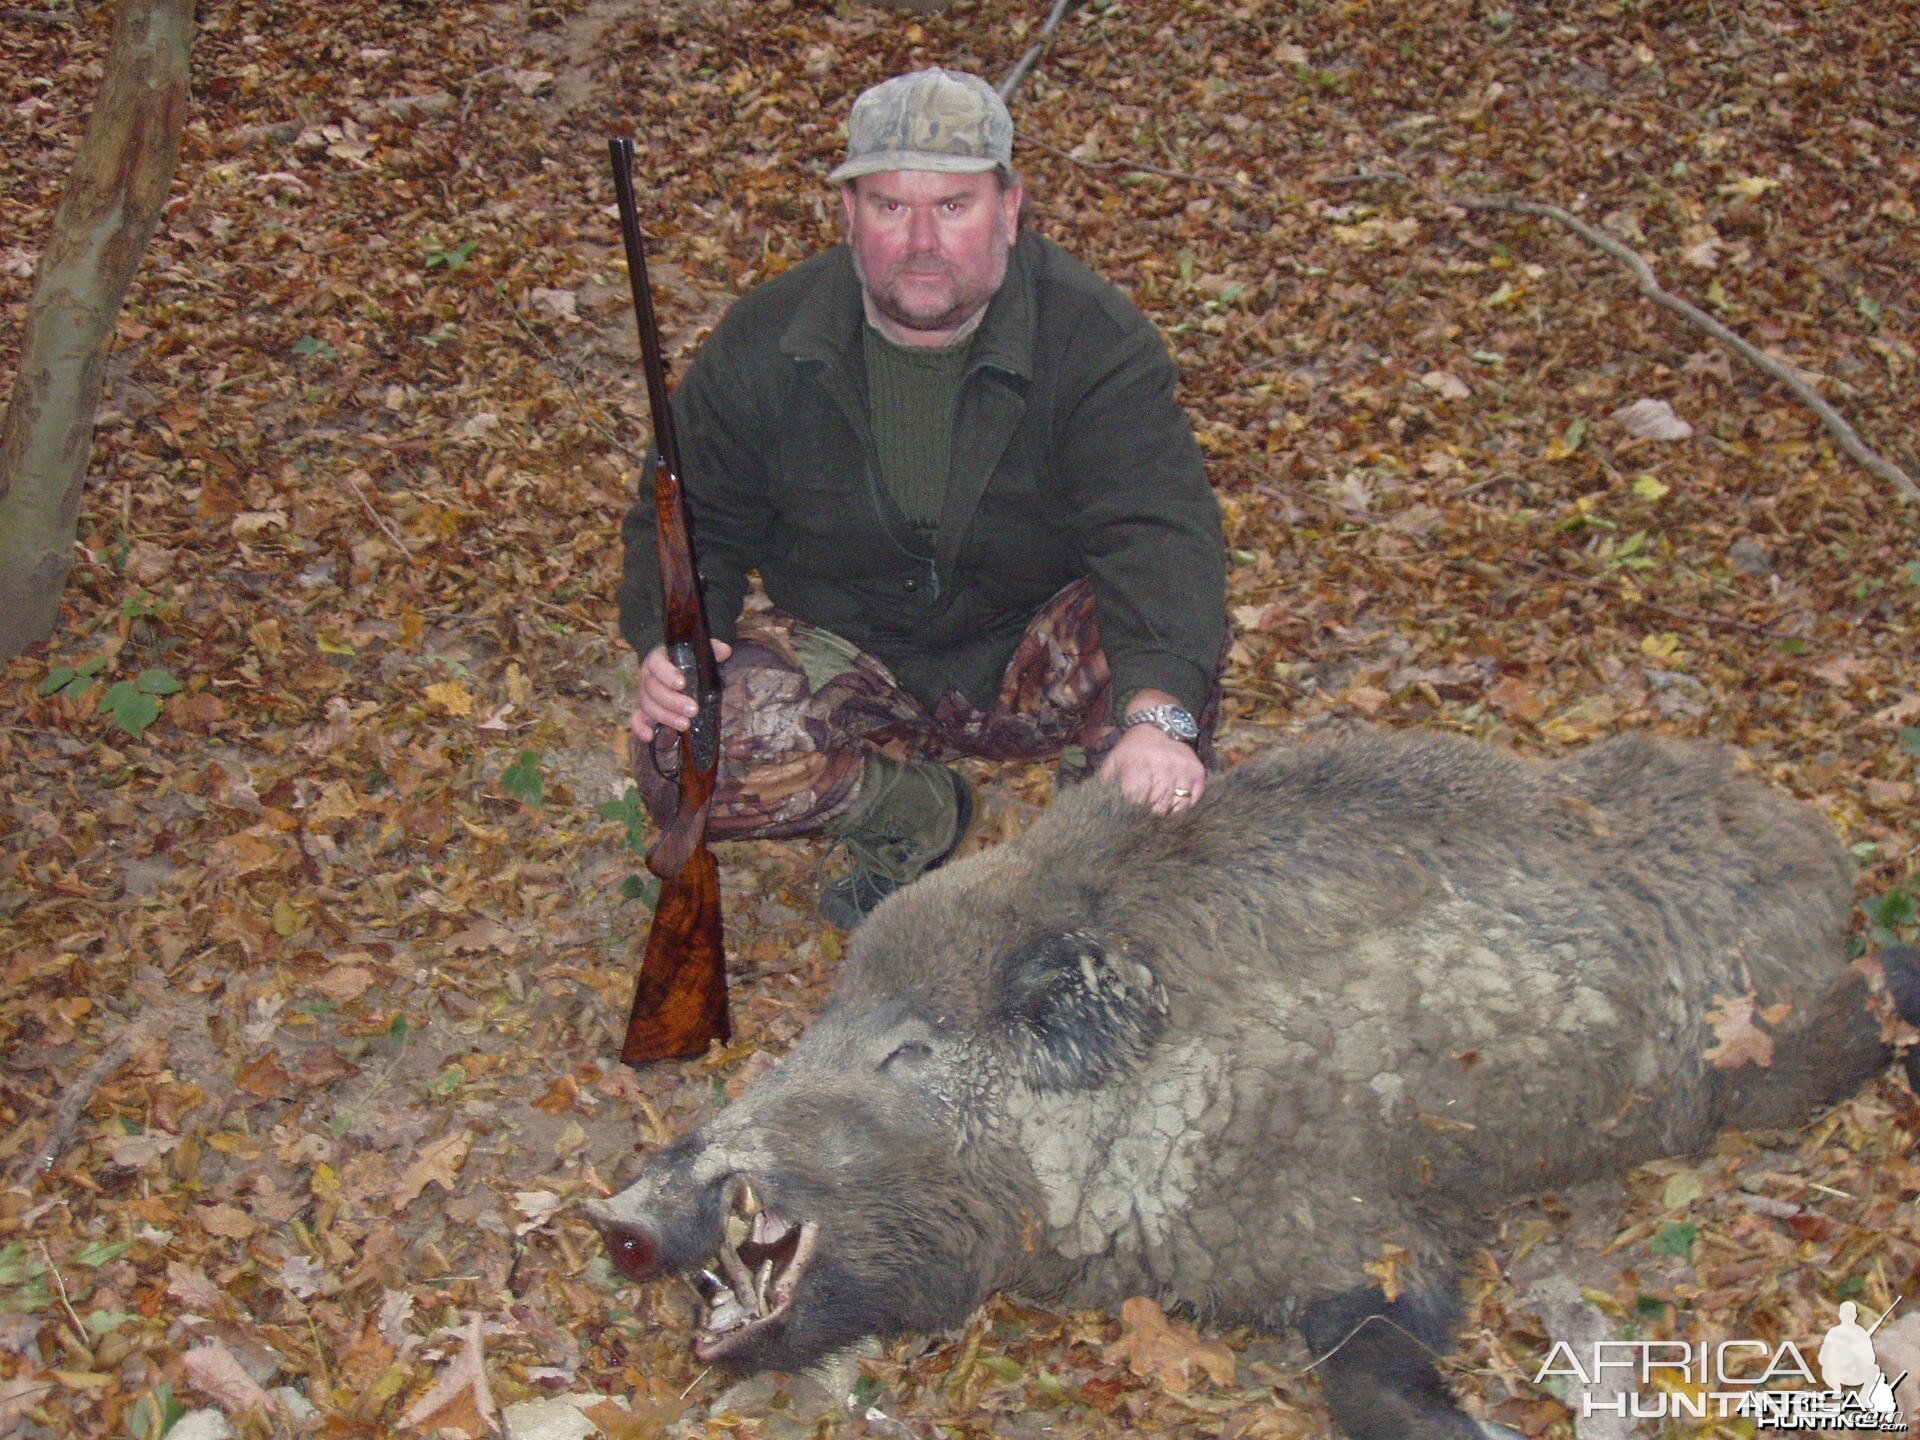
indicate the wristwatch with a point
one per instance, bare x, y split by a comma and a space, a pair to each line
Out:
1174, 720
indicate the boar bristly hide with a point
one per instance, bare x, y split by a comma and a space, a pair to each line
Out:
1363, 991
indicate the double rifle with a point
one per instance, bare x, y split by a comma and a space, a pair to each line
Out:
680, 997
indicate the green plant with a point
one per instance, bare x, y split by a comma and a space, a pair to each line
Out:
1675, 1238
135, 704
631, 812
72, 680
155, 1413
524, 780
452, 257
1891, 913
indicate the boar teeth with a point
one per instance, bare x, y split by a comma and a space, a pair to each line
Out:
769, 1229
746, 1299
728, 1314
741, 1199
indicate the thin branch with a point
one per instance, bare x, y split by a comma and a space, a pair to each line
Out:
66, 1302
1618, 592
565, 372
1643, 275
1649, 286
1034, 51
1231, 182
73, 1103
379, 519
42, 17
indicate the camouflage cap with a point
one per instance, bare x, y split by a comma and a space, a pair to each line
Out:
930, 120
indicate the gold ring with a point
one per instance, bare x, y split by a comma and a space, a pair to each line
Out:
1180, 794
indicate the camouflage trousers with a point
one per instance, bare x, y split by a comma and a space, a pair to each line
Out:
801, 708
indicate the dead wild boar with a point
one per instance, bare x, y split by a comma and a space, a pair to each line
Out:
1361, 992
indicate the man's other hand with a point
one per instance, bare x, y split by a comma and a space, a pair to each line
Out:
1156, 770
661, 697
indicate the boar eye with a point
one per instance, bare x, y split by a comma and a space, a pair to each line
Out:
910, 1053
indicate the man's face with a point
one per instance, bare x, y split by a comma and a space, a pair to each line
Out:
930, 248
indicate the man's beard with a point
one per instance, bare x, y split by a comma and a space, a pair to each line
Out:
966, 302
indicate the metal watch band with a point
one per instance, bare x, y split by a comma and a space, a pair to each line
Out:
1174, 720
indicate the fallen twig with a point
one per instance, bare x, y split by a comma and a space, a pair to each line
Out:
565, 372
1034, 51
1231, 181
66, 1301
1649, 286
1620, 592
1643, 275
379, 519
73, 1101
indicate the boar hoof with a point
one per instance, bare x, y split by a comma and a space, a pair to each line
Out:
1376, 1362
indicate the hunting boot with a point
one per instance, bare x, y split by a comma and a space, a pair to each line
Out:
908, 818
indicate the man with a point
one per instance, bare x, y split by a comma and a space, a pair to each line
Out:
954, 456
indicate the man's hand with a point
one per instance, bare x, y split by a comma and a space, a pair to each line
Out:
1153, 768
661, 697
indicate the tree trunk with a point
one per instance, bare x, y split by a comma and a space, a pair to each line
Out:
109, 212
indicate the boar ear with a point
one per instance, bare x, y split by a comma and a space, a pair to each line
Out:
1076, 1012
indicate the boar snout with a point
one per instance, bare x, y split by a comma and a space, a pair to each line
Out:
760, 1257
633, 1248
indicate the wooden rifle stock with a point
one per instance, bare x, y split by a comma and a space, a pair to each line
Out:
680, 997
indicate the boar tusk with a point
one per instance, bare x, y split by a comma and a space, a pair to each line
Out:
736, 1271
803, 1252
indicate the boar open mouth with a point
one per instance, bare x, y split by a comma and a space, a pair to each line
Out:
762, 1257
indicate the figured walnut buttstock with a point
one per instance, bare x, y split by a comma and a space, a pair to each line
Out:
680, 1001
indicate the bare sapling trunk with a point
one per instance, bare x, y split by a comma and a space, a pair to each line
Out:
105, 219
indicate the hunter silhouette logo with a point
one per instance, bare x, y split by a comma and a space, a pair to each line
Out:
1847, 1362
1771, 1385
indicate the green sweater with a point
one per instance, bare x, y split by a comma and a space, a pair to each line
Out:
1069, 458
910, 395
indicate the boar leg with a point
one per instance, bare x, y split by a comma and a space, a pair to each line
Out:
1818, 1059
1375, 1359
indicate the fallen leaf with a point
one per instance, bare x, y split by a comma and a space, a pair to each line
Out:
459, 1403
1742, 1042
1156, 1348
136, 1152
212, 1369
190, 1287
1442, 382
562, 1095
536, 1207
228, 1222
438, 1164
1386, 1270
1517, 698
452, 697
1367, 699
1651, 420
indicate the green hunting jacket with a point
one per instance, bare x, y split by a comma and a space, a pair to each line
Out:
1070, 458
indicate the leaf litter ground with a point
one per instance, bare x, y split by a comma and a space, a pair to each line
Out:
344, 925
